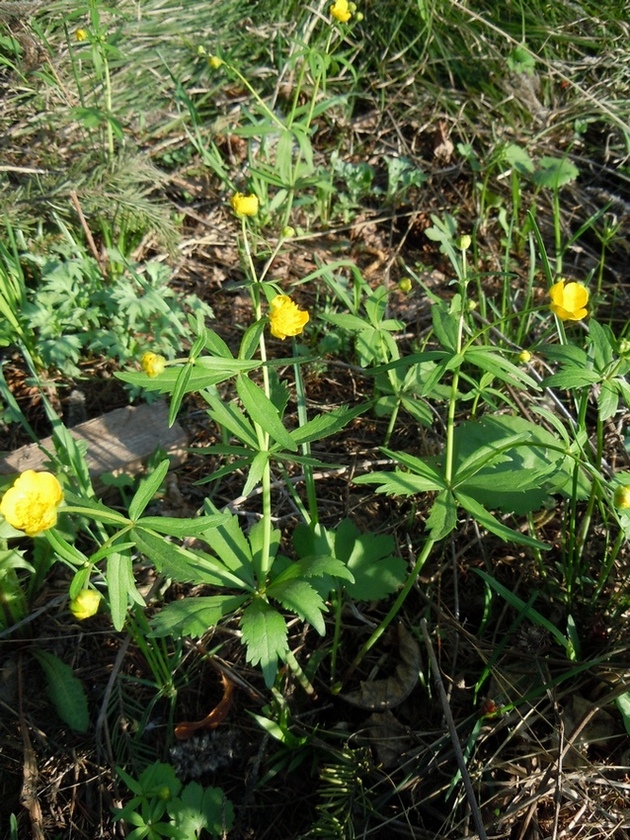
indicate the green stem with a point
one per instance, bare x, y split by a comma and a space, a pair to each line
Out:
261, 435
311, 494
395, 609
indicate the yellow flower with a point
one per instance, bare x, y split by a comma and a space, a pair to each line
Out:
568, 300
31, 504
622, 497
85, 605
215, 62
405, 285
340, 10
244, 205
152, 364
524, 357
285, 318
80, 35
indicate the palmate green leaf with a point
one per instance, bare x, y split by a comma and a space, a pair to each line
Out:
65, 691
194, 616
483, 516
524, 475
262, 411
377, 571
200, 808
300, 598
265, 638
147, 489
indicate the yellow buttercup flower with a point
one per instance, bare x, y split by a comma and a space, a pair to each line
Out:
152, 364
80, 35
85, 605
569, 300
285, 318
244, 205
340, 10
622, 497
524, 357
215, 62
31, 504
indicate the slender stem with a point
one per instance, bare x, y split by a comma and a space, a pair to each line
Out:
261, 435
396, 606
311, 494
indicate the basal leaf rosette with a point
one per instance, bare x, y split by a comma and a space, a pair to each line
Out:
32, 503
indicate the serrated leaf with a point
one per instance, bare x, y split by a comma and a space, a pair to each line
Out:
200, 808
571, 378
445, 327
527, 451
65, 691
491, 361
200, 526
442, 518
377, 572
398, 483
188, 566
300, 598
555, 172
265, 637
229, 417
194, 616
121, 586
495, 526
325, 425
262, 411
314, 566
230, 544
607, 401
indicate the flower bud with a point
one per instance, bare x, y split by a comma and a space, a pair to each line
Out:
85, 605
288, 232
405, 285
622, 497
152, 364
464, 242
